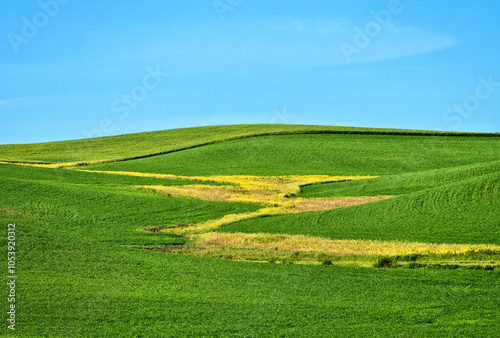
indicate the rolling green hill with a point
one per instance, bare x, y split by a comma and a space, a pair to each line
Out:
330, 154
401, 183
82, 269
138, 145
467, 211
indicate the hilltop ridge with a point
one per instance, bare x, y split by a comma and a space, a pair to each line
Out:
146, 144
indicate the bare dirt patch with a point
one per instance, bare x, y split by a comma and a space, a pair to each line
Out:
159, 229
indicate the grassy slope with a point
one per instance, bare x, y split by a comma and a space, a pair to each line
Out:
38, 198
398, 184
463, 212
454, 205
84, 178
320, 154
79, 277
144, 144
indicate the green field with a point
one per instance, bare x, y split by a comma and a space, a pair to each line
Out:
82, 271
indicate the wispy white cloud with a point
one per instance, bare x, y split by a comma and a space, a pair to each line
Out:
277, 44
246, 45
400, 41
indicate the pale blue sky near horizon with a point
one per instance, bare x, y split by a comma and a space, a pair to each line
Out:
74, 69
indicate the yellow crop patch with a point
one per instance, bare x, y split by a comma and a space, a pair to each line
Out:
48, 165
272, 192
281, 185
299, 249
274, 204
275, 195
241, 195
299, 243
212, 225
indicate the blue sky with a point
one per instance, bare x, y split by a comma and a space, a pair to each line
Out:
73, 69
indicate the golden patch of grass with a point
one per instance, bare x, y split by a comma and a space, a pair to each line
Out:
215, 224
318, 245
275, 203
316, 204
281, 185
314, 250
254, 255
137, 174
242, 195
269, 191
40, 165
210, 193
272, 193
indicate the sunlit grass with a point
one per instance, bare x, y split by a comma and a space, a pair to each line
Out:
80, 273
54, 165
331, 247
269, 191
273, 192
315, 250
